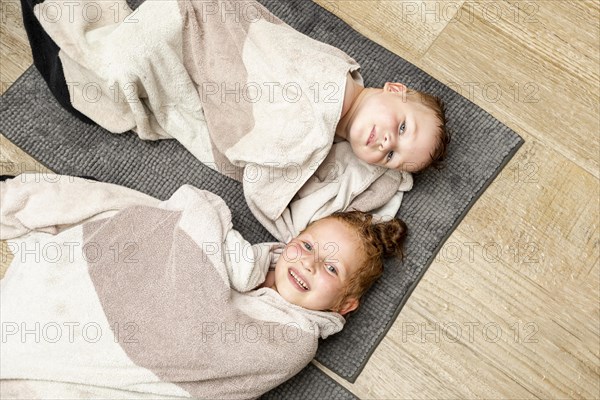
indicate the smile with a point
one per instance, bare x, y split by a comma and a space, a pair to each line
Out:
295, 279
371, 136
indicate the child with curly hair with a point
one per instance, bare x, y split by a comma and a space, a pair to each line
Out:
113, 293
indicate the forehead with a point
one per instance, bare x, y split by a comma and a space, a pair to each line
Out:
331, 228
338, 236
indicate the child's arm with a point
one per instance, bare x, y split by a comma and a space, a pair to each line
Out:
247, 265
51, 203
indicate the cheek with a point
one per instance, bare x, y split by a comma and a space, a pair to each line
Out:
331, 288
291, 253
367, 155
381, 108
365, 117
388, 120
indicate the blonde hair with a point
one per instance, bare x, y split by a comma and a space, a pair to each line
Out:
435, 104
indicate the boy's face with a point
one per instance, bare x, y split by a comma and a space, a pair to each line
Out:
393, 129
315, 266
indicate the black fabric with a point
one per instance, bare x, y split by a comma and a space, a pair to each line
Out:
6, 177
46, 60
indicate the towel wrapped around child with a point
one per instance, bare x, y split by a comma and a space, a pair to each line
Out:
244, 92
111, 292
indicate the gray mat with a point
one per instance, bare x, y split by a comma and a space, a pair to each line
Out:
480, 148
310, 383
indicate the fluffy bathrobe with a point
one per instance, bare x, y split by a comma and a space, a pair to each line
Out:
112, 293
244, 92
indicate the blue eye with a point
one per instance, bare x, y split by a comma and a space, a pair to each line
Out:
402, 128
307, 246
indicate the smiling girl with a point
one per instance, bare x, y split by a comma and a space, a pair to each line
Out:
335, 260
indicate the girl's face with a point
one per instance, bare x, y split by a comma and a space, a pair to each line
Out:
315, 267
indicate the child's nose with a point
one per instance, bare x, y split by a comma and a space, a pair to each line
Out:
310, 264
387, 143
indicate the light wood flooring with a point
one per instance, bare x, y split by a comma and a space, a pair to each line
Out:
510, 308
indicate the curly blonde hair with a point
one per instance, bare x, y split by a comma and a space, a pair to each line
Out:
379, 241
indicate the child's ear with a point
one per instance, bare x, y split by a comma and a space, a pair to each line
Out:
394, 87
350, 304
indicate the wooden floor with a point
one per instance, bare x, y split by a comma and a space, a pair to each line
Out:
510, 309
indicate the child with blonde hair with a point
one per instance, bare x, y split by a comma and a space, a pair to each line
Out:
394, 126
212, 74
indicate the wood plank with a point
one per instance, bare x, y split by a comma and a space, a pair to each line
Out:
14, 46
405, 27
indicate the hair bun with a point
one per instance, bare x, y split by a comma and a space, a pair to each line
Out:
383, 239
391, 236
